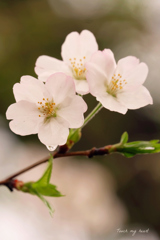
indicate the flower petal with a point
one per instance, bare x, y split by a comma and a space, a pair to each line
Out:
53, 133
100, 70
29, 89
135, 99
111, 103
26, 118
46, 66
60, 86
105, 62
73, 113
96, 78
137, 76
110, 62
127, 64
79, 45
81, 86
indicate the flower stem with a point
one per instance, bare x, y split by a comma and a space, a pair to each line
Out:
92, 114
75, 134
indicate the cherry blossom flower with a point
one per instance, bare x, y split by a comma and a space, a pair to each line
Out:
118, 87
76, 51
48, 109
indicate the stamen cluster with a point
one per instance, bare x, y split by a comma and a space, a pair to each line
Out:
47, 108
116, 84
78, 68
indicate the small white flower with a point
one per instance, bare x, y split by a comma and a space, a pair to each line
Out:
118, 86
47, 109
76, 51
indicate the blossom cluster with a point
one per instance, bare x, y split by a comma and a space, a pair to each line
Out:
52, 104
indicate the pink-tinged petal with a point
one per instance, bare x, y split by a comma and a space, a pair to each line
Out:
135, 99
22, 109
45, 75
137, 76
29, 89
46, 66
60, 86
105, 61
73, 113
70, 46
46, 63
127, 64
110, 62
26, 118
111, 103
53, 133
96, 79
81, 86
79, 45
88, 43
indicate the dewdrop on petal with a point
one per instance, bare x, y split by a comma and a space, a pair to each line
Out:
51, 148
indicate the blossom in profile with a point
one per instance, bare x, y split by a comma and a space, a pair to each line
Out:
76, 51
118, 86
48, 109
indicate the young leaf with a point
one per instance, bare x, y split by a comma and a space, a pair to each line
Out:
51, 211
138, 147
42, 186
47, 174
124, 138
47, 190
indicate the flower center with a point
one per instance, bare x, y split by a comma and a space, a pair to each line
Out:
47, 108
116, 84
78, 69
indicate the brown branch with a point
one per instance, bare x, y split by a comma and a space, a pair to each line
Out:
88, 153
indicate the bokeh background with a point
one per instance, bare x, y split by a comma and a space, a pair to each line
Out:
105, 193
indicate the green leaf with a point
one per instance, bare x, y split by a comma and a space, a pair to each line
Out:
51, 211
47, 190
138, 147
42, 187
154, 141
47, 174
124, 138
128, 155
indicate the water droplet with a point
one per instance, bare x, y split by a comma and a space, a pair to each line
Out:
150, 148
147, 148
51, 148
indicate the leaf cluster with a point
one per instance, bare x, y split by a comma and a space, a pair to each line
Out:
43, 187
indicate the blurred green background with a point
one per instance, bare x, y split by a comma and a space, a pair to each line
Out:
30, 28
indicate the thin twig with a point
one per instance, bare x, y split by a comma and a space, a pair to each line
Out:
88, 153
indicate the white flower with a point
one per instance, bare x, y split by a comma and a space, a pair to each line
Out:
118, 86
47, 109
76, 51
